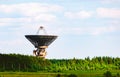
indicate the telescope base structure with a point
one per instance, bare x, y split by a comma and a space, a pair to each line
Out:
40, 51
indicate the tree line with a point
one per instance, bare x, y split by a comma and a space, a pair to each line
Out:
17, 62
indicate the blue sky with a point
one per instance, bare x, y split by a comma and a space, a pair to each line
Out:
85, 27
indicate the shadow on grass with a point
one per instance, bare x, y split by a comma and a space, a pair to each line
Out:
71, 75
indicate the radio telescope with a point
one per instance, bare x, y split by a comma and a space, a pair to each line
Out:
41, 42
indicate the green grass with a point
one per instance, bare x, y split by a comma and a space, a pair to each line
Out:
26, 74
62, 74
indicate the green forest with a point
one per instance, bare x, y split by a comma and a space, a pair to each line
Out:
25, 63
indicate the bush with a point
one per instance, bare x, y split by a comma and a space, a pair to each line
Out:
72, 75
118, 75
108, 74
58, 75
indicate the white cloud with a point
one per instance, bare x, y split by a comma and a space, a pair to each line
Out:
45, 17
108, 12
11, 20
30, 11
114, 22
89, 30
33, 9
38, 18
12, 43
102, 30
3, 24
14, 22
80, 14
109, 1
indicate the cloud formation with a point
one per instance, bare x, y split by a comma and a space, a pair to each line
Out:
109, 1
30, 8
108, 12
36, 11
78, 15
89, 30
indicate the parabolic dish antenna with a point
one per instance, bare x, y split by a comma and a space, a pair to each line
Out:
41, 42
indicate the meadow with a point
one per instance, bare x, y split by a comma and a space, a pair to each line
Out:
114, 73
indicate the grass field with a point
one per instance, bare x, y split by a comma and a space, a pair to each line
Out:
61, 74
